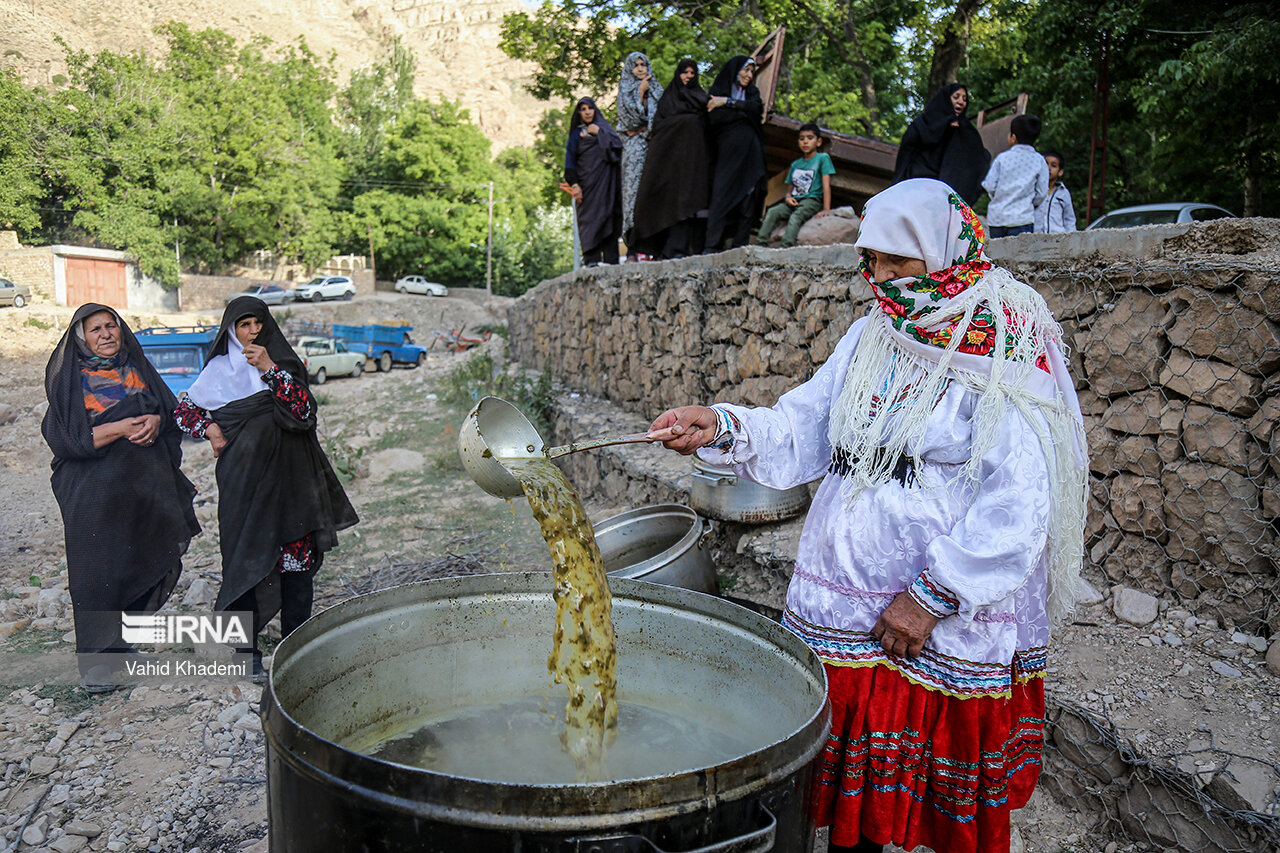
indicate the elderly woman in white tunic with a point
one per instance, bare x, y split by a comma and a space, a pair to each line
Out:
945, 537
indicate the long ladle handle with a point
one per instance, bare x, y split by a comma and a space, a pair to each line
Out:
553, 452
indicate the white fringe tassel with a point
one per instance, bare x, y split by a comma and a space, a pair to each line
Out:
908, 387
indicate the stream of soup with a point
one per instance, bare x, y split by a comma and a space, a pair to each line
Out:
583, 656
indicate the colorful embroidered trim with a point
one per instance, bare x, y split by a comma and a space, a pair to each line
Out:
932, 670
933, 597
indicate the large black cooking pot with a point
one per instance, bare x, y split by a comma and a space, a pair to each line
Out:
442, 646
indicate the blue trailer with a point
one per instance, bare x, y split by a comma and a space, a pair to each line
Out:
382, 345
177, 352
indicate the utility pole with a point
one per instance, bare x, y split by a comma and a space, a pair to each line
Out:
488, 272
373, 266
1096, 204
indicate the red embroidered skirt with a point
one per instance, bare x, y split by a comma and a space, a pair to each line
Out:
911, 766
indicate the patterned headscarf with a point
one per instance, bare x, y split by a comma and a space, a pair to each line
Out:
631, 114
923, 218
107, 380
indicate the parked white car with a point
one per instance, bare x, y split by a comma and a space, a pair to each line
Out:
325, 287
271, 294
325, 357
418, 284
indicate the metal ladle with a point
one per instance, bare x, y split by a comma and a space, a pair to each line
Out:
494, 429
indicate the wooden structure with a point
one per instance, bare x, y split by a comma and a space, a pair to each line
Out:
864, 166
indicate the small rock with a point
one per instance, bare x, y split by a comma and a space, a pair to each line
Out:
1088, 594
1134, 607
116, 846
1258, 644
220, 761
55, 745
69, 844
43, 765
201, 594
82, 827
396, 460
1224, 669
66, 730
8, 629
36, 833
233, 713
1172, 639
112, 737
1273, 658
59, 795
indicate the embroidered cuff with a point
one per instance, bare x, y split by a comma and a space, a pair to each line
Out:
727, 429
933, 597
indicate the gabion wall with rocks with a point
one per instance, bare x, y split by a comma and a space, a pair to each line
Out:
1175, 345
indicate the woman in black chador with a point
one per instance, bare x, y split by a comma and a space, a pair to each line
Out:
592, 155
736, 113
280, 505
671, 203
126, 505
942, 143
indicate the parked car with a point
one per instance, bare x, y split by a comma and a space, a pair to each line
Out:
177, 352
325, 357
418, 284
1161, 214
16, 295
326, 287
272, 294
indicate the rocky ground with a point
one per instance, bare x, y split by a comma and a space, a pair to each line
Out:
179, 767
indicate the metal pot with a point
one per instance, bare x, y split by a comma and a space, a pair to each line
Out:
661, 544
720, 493
446, 645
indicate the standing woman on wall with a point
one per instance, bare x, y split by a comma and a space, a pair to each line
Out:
671, 203
126, 505
942, 143
280, 505
736, 112
591, 157
638, 96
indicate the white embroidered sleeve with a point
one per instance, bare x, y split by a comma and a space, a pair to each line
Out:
786, 444
1001, 539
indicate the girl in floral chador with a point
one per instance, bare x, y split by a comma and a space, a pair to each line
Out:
946, 535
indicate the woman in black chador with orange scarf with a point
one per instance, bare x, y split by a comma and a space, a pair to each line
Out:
280, 505
126, 506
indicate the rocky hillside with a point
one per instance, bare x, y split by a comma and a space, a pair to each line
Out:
455, 41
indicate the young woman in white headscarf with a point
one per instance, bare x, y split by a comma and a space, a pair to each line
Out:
280, 505
638, 96
946, 535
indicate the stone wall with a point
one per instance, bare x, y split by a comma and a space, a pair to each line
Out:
1174, 344
30, 266
209, 292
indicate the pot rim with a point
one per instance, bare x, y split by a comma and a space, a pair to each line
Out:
690, 539
576, 805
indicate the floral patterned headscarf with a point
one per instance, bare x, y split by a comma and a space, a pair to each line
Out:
923, 218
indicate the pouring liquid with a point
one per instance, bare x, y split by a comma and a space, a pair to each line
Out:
584, 657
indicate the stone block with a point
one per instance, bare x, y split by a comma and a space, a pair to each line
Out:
1123, 346
1080, 743
1138, 505
1212, 512
1137, 414
1214, 383
1137, 561
1260, 291
839, 226
1210, 320
1137, 454
1166, 812
1213, 436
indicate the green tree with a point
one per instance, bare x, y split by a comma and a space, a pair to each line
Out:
20, 185
428, 213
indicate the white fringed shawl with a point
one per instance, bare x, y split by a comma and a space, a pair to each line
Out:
894, 381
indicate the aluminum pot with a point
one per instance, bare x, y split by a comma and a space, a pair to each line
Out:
445, 645
719, 493
663, 543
